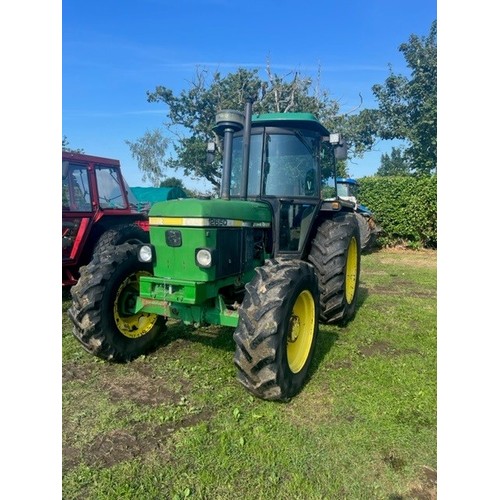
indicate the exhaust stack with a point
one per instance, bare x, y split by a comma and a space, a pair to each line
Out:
246, 148
227, 123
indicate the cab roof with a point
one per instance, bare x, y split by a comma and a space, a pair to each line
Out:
347, 180
295, 120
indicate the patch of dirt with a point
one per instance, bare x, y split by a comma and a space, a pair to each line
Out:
398, 288
383, 348
340, 365
141, 386
393, 461
177, 345
121, 445
74, 371
308, 409
416, 258
426, 489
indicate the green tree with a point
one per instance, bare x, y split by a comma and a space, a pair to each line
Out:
408, 106
191, 115
150, 151
394, 164
172, 182
68, 149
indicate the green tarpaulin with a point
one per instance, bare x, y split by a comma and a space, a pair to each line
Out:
153, 194
146, 196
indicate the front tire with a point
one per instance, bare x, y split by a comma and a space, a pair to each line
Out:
102, 306
336, 256
277, 329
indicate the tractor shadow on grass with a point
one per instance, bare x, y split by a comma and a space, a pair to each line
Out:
362, 296
214, 336
329, 335
221, 337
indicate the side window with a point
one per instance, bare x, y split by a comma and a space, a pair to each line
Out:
253, 167
236, 164
109, 188
295, 219
75, 190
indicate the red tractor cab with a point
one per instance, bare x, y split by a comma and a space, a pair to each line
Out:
98, 210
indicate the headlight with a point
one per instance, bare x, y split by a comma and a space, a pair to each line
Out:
203, 257
145, 253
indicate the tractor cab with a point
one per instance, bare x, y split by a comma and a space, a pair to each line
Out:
347, 189
282, 170
95, 198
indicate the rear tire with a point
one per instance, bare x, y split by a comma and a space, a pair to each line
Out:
277, 329
365, 233
102, 306
123, 233
336, 256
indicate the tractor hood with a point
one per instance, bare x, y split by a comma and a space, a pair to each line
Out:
201, 213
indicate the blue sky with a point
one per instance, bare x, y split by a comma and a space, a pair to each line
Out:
113, 52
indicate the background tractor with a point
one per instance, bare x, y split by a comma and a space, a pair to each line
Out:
347, 189
96, 211
269, 257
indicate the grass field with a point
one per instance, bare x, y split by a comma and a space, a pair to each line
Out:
176, 424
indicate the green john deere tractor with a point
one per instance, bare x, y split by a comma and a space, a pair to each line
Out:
268, 257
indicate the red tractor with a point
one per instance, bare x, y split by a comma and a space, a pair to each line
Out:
97, 211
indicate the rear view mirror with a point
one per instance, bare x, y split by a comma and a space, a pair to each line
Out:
339, 145
340, 151
210, 152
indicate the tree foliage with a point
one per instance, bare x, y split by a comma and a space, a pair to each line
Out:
191, 115
404, 206
172, 182
150, 151
175, 182
66, 147
408, 106
394, 164
407, 110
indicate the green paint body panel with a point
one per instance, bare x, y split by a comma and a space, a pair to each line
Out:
192, 207
178, 263
180, 288
181, 304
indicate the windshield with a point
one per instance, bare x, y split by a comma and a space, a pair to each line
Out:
289, 160
346, 190
109, 188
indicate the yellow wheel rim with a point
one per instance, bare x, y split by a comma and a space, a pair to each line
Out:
351, 272
301, 331
131, 325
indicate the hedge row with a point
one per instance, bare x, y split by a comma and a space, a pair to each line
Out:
405, 208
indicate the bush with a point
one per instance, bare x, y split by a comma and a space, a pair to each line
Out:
405, 208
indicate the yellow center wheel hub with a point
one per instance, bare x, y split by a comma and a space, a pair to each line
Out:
301, 331
351, 273
131, 325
